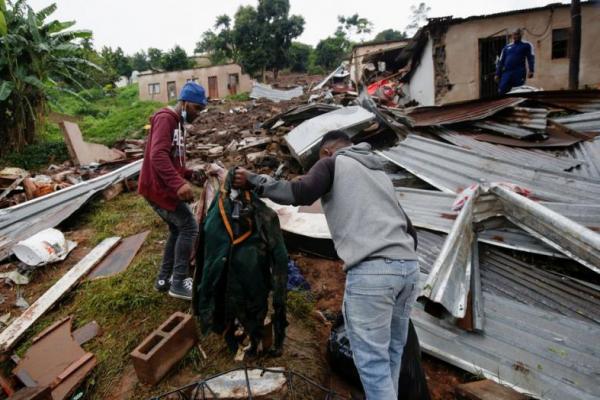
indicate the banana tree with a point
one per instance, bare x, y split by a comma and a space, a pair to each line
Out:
37, 56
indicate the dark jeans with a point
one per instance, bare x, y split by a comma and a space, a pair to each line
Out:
183, 230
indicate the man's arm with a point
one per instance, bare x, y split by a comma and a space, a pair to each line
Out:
304, 191
161, 154
500, 63
531, 59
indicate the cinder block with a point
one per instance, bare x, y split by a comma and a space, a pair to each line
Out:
164, 348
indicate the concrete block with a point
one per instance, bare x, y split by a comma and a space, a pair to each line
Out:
164, 348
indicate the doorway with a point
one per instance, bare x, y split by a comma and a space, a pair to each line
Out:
213, 88
171, 91
489, 53
232, 85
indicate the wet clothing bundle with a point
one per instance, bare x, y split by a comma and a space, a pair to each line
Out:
244, 259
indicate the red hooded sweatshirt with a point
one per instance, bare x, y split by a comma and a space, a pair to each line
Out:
163, 170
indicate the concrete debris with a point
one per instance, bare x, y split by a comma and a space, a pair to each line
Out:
84, 153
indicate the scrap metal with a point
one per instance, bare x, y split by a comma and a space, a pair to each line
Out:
26, 219
261, 90
589, 151
451, 169
460, 112
583, 101
526, 117
508, 130
587, 122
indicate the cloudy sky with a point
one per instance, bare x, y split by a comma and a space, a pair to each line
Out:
139, 24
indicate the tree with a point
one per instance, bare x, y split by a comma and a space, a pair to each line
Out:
219, 46
354, 24
176, 59
418, 17
139, 61
389, 34
330, 52
37, 57
299, 57
117, 60
155, 58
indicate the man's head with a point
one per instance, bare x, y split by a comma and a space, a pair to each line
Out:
332, 142
193, 100
516, 34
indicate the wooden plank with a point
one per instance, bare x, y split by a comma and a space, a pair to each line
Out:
10, 336
486, 390
12, 187
120, 258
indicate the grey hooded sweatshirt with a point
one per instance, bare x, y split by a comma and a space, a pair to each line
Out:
362, 211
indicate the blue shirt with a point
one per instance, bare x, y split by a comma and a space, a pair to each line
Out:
513, 58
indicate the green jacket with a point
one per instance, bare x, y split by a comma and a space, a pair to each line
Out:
243, 262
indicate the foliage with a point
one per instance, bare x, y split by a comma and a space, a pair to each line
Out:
260, 38
36, 55
243, 96
389, 34
418, 17
299, 57
176, 59
139, 61
330, 52
155, 57
354, 24
117, 60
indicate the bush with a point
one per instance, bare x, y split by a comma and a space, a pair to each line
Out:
244, 96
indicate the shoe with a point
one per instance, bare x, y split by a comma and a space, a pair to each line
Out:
162, 285
181, 289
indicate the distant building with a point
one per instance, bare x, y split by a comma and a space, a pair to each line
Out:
201, 60
219, 81
454, 59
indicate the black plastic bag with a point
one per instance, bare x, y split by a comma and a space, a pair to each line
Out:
412, 384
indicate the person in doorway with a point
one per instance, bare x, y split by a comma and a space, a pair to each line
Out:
376, 241
510, 69
164, 184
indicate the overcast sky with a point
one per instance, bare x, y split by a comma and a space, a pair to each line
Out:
139, 24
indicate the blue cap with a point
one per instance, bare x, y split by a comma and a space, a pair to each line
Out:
193, 92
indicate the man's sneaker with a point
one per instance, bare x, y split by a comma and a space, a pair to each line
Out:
162, 285
181, 289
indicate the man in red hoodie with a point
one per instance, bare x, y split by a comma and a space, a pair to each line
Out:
163, 182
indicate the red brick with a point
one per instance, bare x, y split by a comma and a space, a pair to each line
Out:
164, 348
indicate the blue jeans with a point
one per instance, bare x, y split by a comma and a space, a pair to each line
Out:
378, 299
183, 231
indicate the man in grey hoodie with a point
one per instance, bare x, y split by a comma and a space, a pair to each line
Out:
376, 241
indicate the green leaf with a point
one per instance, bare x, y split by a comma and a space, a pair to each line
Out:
45, 12
2, 5
5, 90
33, 81
3, 29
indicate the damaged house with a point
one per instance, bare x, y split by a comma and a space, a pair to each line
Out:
454, 59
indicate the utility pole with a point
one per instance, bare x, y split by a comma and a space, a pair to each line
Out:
574, 44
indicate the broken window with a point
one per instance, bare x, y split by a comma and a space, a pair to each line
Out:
560, 43
153, 88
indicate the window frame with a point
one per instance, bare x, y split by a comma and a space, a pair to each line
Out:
557, 53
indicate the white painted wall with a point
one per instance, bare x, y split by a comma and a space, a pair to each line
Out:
421, 87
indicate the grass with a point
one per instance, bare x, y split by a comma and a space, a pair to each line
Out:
244, 96
106, 118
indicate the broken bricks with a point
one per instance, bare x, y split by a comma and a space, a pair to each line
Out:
164, 348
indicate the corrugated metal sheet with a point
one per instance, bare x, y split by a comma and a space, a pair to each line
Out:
508, 130
260, 90
460, 112
558, 231
451, 169
575, 100
526, 117
303, 140
525, 157
587, 122
589, 151
26, 219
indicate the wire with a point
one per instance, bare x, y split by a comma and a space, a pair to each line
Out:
198, 388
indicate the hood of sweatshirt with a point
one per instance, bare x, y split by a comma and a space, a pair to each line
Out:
362, 153
168, 111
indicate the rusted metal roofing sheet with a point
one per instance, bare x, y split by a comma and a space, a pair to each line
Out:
575, 100
26, 219
526, 157
451, 169
526, 117
460, 112
587, 122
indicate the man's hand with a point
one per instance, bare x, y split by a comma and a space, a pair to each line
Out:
496, 78
530, 75
240, 179
185, 193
